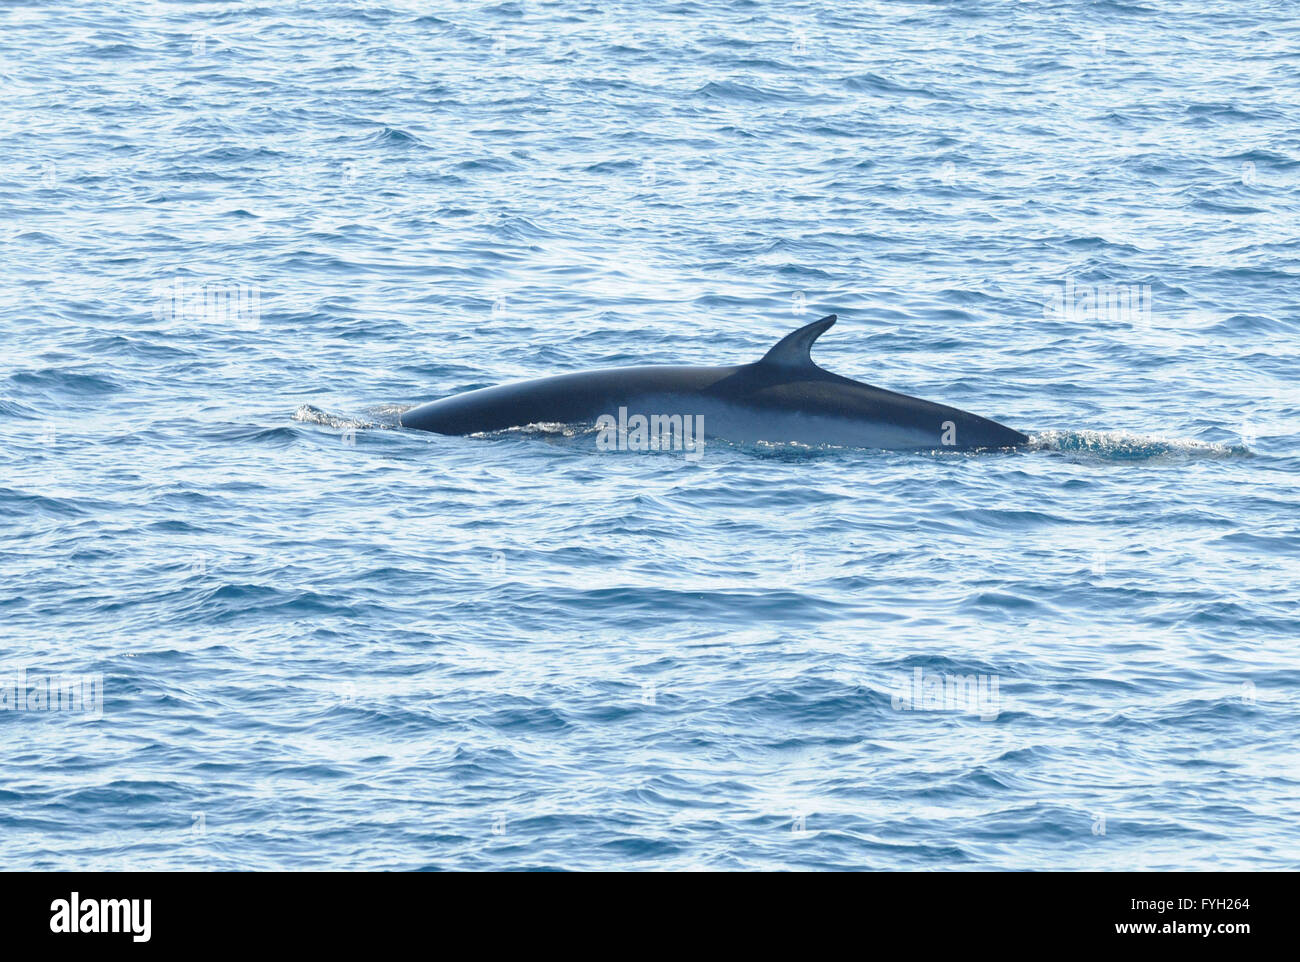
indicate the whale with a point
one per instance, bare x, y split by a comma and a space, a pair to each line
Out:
783, 397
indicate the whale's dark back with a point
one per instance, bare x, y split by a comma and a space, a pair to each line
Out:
584, 396
785, 387
564, 398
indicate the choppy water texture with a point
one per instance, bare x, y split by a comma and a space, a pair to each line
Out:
329, 642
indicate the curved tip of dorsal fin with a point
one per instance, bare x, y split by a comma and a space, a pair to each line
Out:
793, 349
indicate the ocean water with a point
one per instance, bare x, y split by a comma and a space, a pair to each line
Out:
239, 239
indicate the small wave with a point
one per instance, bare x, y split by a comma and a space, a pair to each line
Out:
875, 82
394, 137
66, 383
741, 93
383, 416
1252, 324
493, 165
1125, 446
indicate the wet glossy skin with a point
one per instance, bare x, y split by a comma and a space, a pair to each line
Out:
784, 397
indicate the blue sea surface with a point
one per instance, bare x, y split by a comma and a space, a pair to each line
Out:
238, 239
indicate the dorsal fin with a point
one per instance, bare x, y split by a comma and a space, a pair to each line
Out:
793, 349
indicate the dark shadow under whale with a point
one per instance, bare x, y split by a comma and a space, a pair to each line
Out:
784, 397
